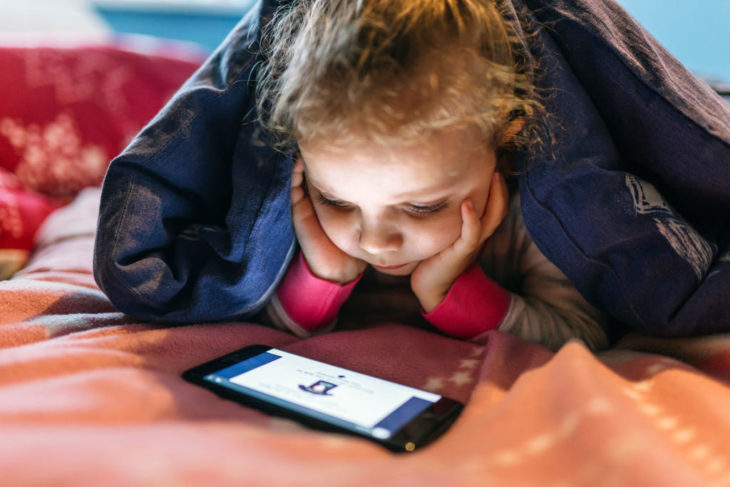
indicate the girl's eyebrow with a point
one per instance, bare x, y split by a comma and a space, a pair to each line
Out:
308, 178
410, 195
319, 187
435, 188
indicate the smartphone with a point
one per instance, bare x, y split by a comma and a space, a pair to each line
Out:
328, 397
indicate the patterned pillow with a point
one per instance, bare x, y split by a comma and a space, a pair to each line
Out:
21, 213
66, 111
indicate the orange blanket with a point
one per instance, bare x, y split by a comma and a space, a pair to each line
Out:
90, 397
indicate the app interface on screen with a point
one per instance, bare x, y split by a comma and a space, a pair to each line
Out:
358, 401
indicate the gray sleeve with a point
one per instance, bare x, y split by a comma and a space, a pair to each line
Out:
546, 308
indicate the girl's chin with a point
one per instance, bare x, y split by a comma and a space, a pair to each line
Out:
403, 270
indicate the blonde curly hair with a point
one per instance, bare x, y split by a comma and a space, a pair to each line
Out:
393, 71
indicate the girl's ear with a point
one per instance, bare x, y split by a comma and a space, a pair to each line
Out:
509, 134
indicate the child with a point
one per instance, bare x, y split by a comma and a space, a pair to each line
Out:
195, 218
402, 116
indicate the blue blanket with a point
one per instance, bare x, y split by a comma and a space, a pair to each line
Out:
632, 203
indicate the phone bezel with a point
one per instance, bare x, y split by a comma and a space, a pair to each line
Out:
420, 431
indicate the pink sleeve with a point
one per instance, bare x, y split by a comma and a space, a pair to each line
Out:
473, 305
310, 302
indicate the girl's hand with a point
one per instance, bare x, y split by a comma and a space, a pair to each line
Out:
433, 277
324, 259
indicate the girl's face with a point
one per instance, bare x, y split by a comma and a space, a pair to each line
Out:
395, 206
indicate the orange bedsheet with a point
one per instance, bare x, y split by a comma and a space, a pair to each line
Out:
90, 397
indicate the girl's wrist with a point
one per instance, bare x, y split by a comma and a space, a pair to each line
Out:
430, 303
431, 298
336, 276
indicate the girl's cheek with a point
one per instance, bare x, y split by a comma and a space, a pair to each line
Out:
338, 226
436, 234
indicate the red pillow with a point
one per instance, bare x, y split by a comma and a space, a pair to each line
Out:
21, 213
65, 112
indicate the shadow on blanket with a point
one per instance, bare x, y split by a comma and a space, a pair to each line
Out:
98, 397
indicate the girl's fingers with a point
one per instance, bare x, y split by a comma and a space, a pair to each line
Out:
469, 224
297, 173
305, 222
497, 206
297, 178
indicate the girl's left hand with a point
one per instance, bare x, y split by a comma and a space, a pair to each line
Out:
433, 277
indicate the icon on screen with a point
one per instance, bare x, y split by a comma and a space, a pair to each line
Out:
321, 388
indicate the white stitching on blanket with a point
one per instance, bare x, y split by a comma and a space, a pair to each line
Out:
685, 241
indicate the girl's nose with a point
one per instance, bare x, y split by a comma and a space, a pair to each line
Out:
376, 239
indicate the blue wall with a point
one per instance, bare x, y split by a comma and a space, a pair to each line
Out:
697, 32
195, 24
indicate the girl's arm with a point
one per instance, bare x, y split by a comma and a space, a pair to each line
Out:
551, 311
321, 277
474, 304
304, 304
542, 305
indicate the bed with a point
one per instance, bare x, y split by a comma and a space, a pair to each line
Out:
90, 396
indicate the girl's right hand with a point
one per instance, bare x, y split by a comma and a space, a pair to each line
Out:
325, 260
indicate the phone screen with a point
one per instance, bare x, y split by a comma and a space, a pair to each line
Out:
358, 402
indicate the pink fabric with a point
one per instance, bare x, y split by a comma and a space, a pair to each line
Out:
473, 305
65, 112
90, 397
311, 302
21, 213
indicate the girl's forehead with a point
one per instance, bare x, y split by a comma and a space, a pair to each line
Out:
400, 170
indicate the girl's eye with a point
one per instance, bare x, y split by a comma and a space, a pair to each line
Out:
330, 202
413, 209
423, 210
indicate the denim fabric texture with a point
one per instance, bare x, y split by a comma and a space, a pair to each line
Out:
194, 222
632, 201
635, 207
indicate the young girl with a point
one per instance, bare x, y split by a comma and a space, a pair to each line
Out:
402, 116
400, 113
